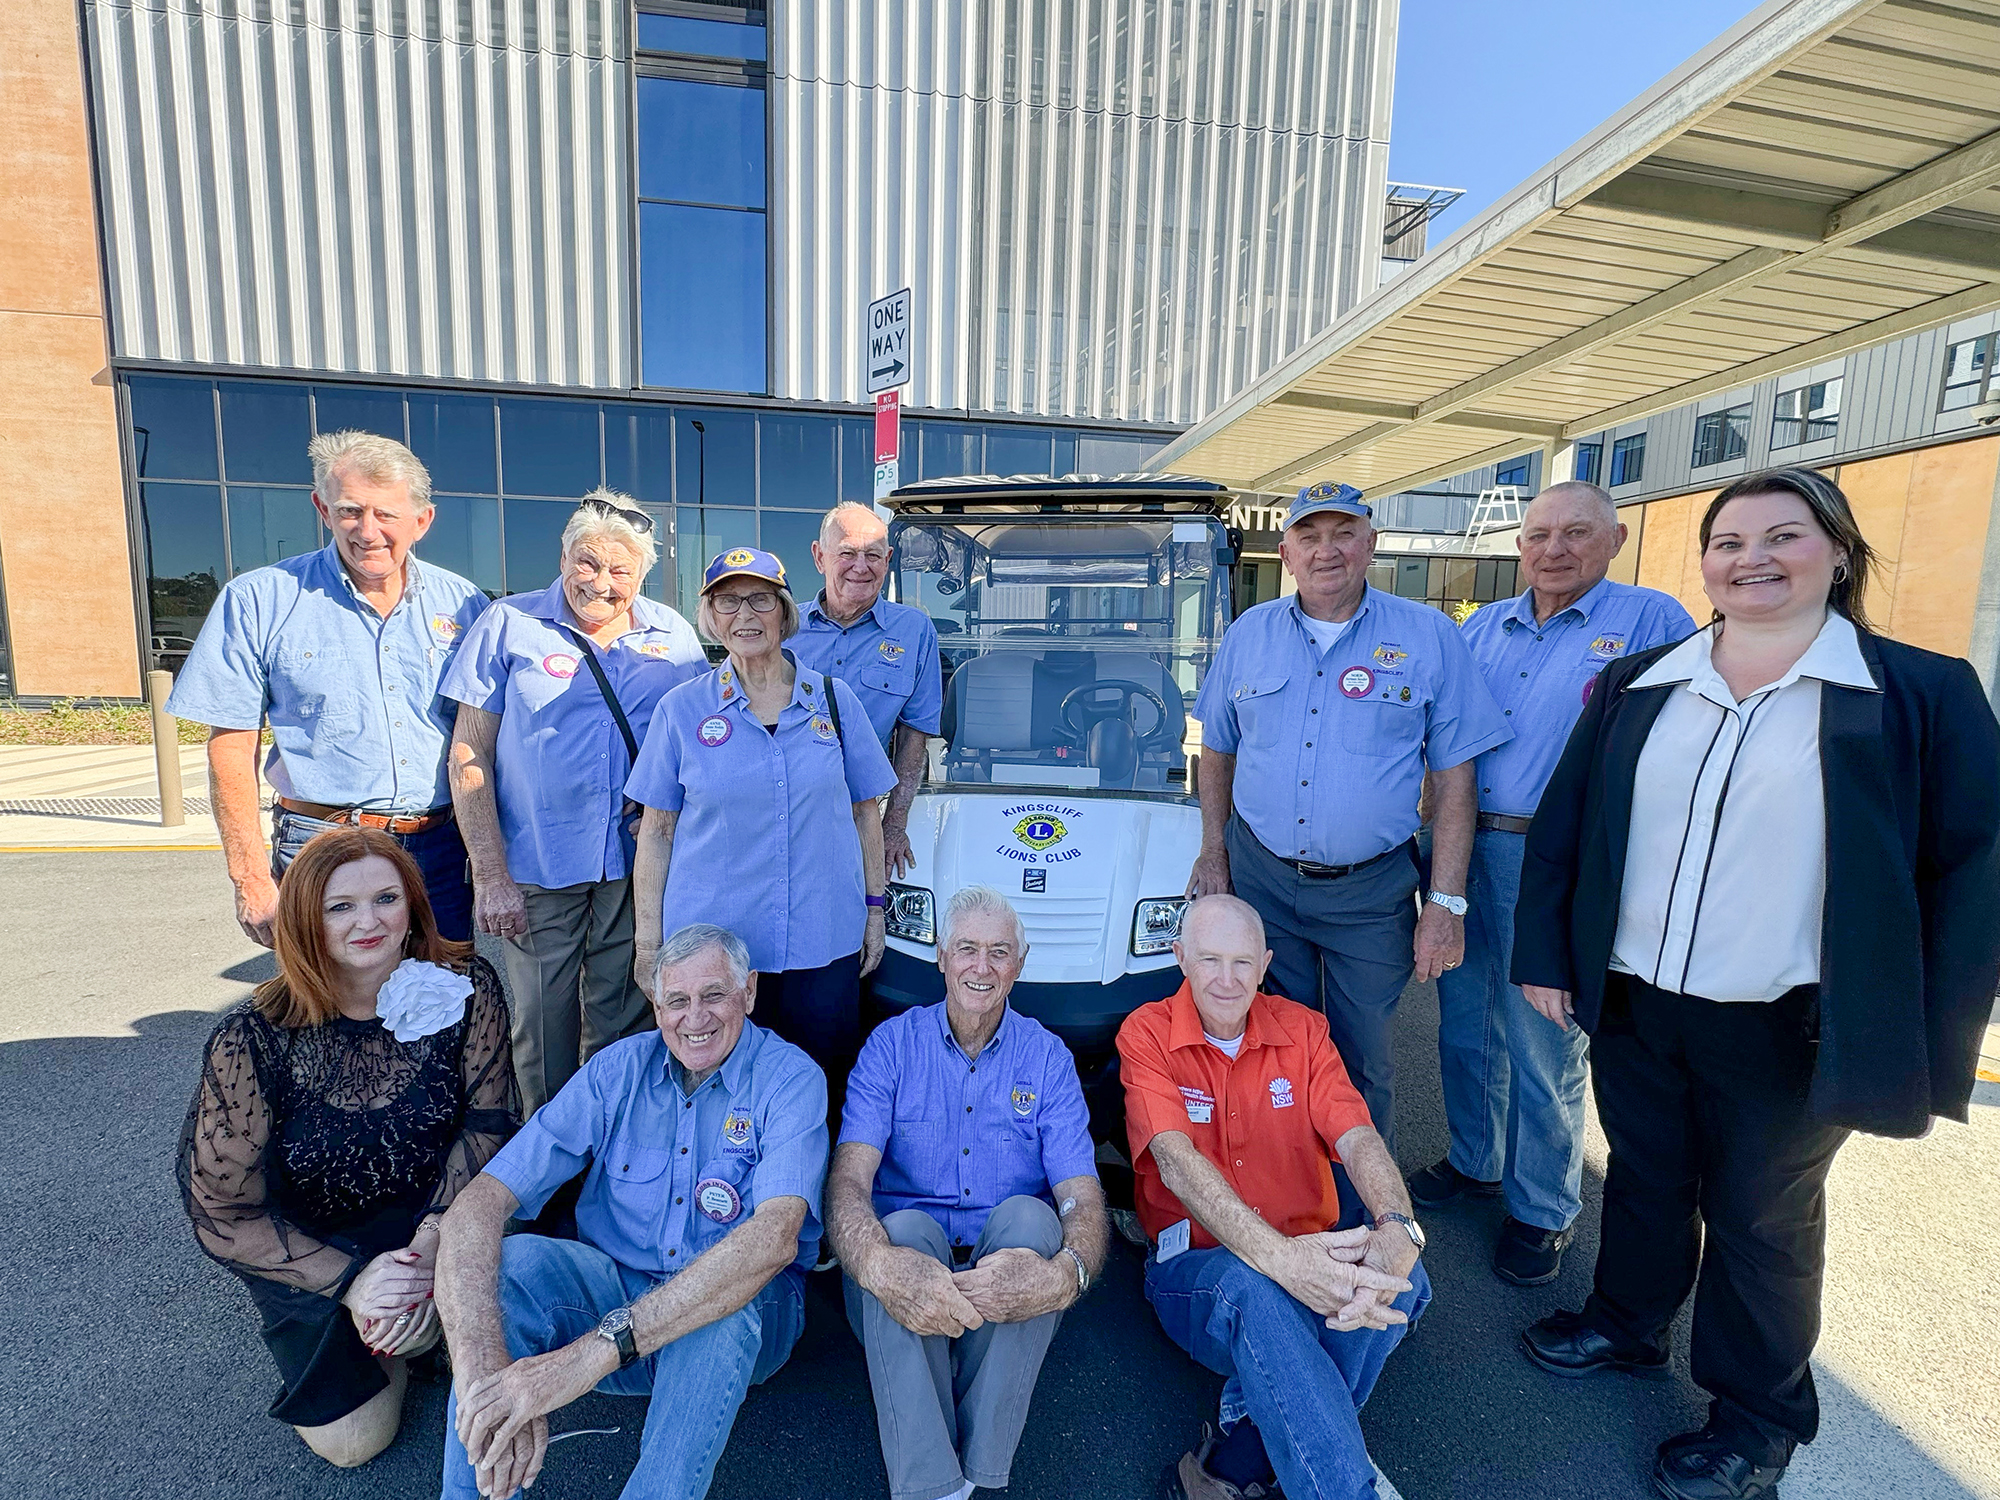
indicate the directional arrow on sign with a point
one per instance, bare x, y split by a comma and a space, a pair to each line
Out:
892, 373
888, 363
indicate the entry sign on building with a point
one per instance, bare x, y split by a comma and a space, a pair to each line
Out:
889, 342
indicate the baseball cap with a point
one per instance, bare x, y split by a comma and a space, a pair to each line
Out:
744, 562
1327, 495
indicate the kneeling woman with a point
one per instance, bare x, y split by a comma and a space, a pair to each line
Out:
340, 1111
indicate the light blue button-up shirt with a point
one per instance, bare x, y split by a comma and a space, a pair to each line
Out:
352, 697
958, 1137
1542, 675
1331, 750
765, 844
672, 1173
560, 762
889, 657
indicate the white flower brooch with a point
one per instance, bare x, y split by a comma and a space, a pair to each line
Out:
421, 999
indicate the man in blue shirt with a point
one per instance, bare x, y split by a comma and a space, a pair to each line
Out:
1513, 1080
1320, 717
342, 651
965, 1206
705, 1144
886, 652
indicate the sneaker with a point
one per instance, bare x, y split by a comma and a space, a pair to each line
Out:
1190, 1480
1705, 1465
1528, 1256
1441, 1183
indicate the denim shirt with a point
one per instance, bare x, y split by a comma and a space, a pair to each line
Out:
889, 657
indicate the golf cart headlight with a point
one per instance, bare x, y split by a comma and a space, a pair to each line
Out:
1156, 924
911, 914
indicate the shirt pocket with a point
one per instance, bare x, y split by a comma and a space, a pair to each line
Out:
914, 1147
1260, 712
637, 1181
892, 678
1381, 726
314, 687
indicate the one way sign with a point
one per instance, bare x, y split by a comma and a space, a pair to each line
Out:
889, 341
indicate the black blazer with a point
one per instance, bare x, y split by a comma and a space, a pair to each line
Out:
1910, 944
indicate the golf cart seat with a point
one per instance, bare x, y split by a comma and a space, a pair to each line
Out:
1004, 707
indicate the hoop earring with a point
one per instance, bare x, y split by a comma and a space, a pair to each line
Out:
1840, 572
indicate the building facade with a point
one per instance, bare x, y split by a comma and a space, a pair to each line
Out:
557, 243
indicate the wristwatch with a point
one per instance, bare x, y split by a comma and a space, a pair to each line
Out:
615, 1328
1410, 1227
1453, 904
1082, 1271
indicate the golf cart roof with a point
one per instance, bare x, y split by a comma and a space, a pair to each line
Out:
1049, 494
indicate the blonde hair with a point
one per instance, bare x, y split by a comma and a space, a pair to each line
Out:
378, 459
584, 525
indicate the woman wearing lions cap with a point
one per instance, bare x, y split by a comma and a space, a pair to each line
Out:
760, 782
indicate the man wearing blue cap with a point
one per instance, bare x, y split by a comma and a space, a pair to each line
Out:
1320, 717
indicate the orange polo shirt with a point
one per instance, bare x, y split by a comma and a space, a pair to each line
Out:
1268, 1120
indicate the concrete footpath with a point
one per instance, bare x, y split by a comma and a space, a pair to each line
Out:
99, 797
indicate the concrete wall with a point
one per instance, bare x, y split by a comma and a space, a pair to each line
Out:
63, 540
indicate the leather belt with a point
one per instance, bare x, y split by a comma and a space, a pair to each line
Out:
354, 817
1504, 823
1333, 872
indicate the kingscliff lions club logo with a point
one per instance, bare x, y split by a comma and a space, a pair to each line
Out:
736, 1127
740, 558
712, 731
1023, 1099
1608, 646
1039, 831
560, 664
1357, 682
823, 727
892, 651
445, 628
658, 649
1390, 657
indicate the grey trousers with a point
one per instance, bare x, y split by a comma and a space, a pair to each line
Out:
1344, 947
571, 978
951, 1410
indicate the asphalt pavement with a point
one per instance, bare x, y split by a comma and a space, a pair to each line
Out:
133, 1368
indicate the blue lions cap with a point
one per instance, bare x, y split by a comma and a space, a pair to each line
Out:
744, 562
1327, 495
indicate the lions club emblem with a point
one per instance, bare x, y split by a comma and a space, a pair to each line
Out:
1608, 646
740, 558
1023, 1099
1039, 831
1390, 656
713, 730
560, 664
445, 628
736, 1127
891, 650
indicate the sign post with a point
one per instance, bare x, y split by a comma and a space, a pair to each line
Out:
888, 371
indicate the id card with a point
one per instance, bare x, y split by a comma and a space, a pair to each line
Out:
1173, 1240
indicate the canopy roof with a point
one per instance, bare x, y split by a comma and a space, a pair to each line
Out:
1824, 176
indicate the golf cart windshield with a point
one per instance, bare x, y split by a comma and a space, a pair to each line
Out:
1073, 645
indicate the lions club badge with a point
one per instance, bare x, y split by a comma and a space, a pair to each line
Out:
445, 628
1357, 682
717, 1200
560, 664
1039, 832
736, 1128
891, 650
713, 730
1023, 1100
739, 558
1607, 646
659, 650
823, 727
1281, 1093
1390, 657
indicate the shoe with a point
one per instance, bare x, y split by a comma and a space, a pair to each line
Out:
1705, 1465
1563, 1344
1441, 1183
1190, 1480
1130, 1230
1528, 1256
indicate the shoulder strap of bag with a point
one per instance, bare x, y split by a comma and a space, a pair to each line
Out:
832, 708
604, 687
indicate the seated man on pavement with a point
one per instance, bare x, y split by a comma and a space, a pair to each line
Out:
964, 1205
1238, 1106
706, 1144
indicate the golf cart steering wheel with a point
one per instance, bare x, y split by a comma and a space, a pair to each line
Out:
1074, 708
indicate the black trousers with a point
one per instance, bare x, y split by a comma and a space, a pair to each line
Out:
1717, 1185
819, 1012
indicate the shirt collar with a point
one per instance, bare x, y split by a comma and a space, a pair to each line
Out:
943, 1009
1184, 1028
1522, 610
413, 576
1834, 656
816, 610
734, 1067
806, 686
1299, 616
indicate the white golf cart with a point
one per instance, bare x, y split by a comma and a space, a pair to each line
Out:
1077, 618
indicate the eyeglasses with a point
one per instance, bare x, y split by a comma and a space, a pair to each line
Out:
638, 520
763, 601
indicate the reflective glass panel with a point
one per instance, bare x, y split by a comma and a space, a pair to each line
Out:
185, 563
265, 429
703, 533
1115, 453
1017, 450
534, 541
173, 428
701, 278
790, 534
465, 539
1588, 457
946, 448
701, 142
798, 462
453, 435
548, 448
639, 451
266, 525
857, 459
1065, 454
340, 408
1628, 459
702, 38
717, 460
663, 582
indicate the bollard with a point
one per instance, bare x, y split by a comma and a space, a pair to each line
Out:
166, 748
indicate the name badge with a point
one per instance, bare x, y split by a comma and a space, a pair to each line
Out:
713, 731
1200, 1106
717, 1200
1173, 1240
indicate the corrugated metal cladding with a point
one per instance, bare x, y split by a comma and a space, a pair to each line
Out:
428, 187
1119, 209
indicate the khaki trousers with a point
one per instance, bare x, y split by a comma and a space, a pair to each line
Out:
572, 984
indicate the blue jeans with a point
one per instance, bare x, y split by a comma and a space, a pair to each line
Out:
553, 1292
1513, 1079
439, 853
1301, 1382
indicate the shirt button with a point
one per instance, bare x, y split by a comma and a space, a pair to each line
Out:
684, 1151
1305, 783
1315, 710
1239, 1162
1487, 789
676, 1252
626, 1168
968, 1109
967, 1193
1319, 674
972, 1067
1524, 674
1301, 820
1510, 713
966, 1151
677, 1198
1309, 744
687, 1104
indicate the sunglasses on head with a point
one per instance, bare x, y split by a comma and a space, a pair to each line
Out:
638, 520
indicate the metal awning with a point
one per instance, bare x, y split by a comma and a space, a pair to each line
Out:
1824, 176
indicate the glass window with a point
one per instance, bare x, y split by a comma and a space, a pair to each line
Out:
716, 458
1589, 457
267, 525
1968, 372
1720, 436
534, 541
702, 534
1412, 577
548, 448
663, 581
453, 435
1514, 472
798, 461
341, 408
701, 142
265, 429
173, 428
185, 560
1064, 460
700, 38
1806, 415
639, 452
1018, 450
701, 278
465, 539
790, 534
857, 459
949, 448
1628, 459
1115, 453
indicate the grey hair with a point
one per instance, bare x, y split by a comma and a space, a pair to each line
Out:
788, 615
1596, 494
697, 938
370, 456
970, 899
584, 525
829, 526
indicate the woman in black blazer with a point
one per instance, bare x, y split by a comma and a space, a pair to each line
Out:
1765, 878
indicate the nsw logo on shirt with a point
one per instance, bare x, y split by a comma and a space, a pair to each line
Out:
1281, 1093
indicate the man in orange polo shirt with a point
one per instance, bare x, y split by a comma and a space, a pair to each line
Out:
1238, 1105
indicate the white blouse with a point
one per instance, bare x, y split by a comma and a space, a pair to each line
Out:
1725, 867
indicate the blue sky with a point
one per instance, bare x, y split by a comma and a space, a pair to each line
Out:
1488, 91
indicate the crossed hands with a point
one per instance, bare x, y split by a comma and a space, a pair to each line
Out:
390, 1301
1350, 1277
1007, 1286
503, 1416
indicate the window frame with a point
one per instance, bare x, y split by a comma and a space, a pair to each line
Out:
1803, 419
1596, 465
1631, 443
1519, 465
1729, 421
1984, 386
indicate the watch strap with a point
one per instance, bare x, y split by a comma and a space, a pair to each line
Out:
1082, 1271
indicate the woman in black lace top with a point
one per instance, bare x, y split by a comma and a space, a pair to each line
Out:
340, 1111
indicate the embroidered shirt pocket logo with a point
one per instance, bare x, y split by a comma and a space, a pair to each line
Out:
1281, 1093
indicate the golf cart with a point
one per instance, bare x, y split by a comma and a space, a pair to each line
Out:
1077, 619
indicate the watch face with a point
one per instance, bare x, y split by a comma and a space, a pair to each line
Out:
617, 1321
